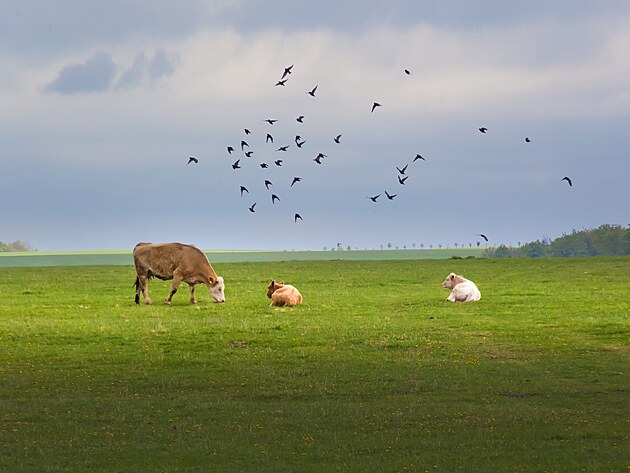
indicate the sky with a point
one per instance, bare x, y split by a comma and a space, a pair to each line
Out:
103, 102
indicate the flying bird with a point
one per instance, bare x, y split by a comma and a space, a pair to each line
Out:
251, 209
264, 165
312, 92
243, 189
271, 121
230, 149
300, 119
297, 138
247, 132
268, 183
295, 179
281, 82
483, 129
278, 162
296, 217
482, 236
390, 196
269, 138
319, 158
374, 105
283, 148
274, 197
402, 181
403, 170
243, 144
527, 140
235, 164
373, 198
418, 157
192, 159
300, 143
287, 71
408, 72
249, 153
337, 139
570, 182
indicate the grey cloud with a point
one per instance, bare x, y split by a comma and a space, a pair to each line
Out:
94, 75
133, 76
145, 71
160, 66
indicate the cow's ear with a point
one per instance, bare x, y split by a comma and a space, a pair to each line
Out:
281, 282
452, 276
212, 280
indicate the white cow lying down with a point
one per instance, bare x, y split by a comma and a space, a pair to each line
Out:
462, 290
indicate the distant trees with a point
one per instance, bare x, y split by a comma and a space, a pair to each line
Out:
15, 246
606, 240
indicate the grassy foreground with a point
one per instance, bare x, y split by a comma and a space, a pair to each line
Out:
374, 372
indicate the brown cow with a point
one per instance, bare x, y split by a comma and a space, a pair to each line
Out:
282, 294
178, 262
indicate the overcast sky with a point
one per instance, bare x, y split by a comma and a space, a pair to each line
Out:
103, 102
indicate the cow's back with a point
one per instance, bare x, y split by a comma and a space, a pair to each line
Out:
163, 259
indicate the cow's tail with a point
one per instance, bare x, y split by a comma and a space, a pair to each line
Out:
137, 286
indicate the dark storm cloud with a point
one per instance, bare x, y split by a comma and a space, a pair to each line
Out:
94, 75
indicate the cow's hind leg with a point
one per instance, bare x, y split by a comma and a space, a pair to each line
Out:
192, 293
177, 279
142, 285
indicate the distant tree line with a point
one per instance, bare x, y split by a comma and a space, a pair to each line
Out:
606, 240
15, 246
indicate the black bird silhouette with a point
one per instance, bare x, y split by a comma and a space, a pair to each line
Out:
297, 138
482, 236
295, 179
251, 209
268, 183
418, 157
247, 132
402, 181
235, 164
374, 105
565, 178
283, 148
281, 82
192, 159
373, 198
403, 170
274, 197
527, 140
300, 119
230, 149
483, 129
249, 153
296, 217
319, 158
264, 165
337, 139
243, 189
300, 143
243, 144
408, 72
390, 196
271, 121
269, 138
312, 92
278, 162
287, 71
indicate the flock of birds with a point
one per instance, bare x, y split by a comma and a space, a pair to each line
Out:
247, 153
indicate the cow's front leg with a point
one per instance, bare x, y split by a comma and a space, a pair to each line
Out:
177, 279
192, 293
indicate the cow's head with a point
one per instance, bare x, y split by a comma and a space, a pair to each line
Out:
273, 287
450, 281
217, 289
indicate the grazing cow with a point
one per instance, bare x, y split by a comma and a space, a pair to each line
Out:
282, 294
462, 290
178, 262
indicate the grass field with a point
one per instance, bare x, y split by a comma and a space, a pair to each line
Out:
374, 372
124, 257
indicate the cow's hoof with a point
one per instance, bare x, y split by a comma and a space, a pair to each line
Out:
193, 302
167, 302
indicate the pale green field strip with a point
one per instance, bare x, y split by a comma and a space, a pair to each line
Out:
124, 257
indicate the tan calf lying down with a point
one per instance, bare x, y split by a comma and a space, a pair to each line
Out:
282, 294
462, 289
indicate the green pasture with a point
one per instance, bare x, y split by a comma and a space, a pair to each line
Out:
374, 372
124, 257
